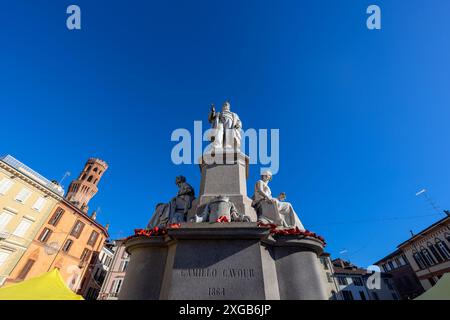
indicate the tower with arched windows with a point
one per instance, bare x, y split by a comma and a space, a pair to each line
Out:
82, 190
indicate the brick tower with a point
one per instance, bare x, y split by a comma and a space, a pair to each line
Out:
85, 187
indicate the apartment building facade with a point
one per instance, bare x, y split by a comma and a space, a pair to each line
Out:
26, 201
114, 278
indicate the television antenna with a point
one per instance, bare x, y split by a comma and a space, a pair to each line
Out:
64, 176
430, 201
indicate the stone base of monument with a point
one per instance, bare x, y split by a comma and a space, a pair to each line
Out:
214, 261
224, 173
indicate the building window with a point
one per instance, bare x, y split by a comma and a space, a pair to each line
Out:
85, 255
329, 278
123, 266
435, 252
45, 235
56, 217
405, 259
23, 227
347, 295
5, 218
5, 185
90, 178
93, 238
342, 281
357, 281
362, 295
375, 296
429, 260
419, 260
4, 255
391, 265
77, 229
443, 249
67, 246
324, 263
23, 195
447, 235
116, 287
27, 267
39, 204
108, 261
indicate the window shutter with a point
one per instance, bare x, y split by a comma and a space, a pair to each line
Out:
25, 269
3, 256
5, 218
45, 234
22, 228
23, 195
39, 204
56, 217
93, 238
5, 185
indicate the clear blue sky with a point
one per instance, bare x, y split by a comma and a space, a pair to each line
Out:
363, 115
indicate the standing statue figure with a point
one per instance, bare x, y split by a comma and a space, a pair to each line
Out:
272, 210
176, 210
226, 125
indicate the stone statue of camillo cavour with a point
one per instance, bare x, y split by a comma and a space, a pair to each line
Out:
227, 127
175, 211
273, 210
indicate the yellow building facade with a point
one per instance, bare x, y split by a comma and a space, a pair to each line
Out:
26, 201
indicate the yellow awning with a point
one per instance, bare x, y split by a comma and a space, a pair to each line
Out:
440, 291
48, 286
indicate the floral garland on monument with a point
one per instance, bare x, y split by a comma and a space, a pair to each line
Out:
154, 232
274, 230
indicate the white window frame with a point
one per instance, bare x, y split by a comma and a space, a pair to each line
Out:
6, 214
23, 200
24, 231
443, 248
6, 255
39, 204
5, 185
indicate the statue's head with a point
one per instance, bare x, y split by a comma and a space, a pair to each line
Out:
179, 180
266, 176
226, 106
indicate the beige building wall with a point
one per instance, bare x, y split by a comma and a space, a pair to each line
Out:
26, 201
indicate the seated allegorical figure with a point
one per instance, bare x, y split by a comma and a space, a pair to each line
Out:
176, 210
273, 210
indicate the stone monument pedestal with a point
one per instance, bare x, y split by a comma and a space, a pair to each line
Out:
223, 261
224, 173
